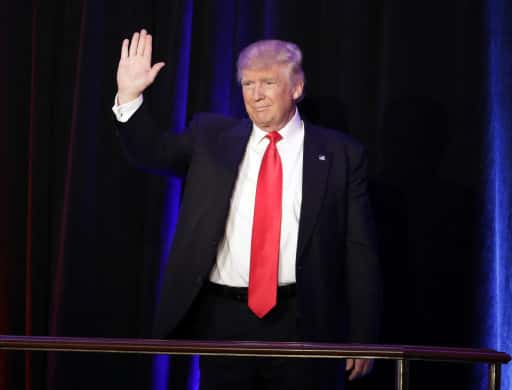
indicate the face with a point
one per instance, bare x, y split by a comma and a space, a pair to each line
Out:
269, 96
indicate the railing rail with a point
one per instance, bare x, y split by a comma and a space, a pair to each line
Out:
401, 353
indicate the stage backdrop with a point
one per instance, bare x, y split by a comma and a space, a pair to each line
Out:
426, 86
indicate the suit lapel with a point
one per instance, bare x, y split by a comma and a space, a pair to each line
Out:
229, 152
316, 163
232, 145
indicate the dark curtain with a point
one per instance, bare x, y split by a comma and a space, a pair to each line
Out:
83, 233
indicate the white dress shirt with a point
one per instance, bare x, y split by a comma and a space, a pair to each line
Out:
234, 251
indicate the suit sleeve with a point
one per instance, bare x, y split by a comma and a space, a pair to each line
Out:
362, 267
150, 148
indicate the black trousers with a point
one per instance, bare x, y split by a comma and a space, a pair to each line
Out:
217, 317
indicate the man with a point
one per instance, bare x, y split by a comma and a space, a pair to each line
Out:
275, 237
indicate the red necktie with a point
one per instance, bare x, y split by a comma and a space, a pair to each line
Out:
266, 231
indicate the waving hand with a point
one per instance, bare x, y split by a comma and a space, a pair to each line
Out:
135, 72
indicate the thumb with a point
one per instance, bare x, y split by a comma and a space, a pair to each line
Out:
155, 69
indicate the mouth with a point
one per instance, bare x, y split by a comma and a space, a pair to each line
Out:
260, 109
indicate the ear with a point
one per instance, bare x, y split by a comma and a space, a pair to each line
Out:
297, 90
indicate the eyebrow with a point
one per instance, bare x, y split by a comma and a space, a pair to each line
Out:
265, 79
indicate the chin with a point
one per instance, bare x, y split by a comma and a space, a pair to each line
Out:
263, 124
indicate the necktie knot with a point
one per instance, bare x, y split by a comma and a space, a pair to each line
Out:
274, 136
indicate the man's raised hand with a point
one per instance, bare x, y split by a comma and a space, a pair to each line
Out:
134, 72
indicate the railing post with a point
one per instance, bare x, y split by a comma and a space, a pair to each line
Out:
494, 376
402, 374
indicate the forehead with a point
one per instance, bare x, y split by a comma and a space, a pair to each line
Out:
275, 71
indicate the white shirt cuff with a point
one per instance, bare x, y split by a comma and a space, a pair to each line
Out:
123, 112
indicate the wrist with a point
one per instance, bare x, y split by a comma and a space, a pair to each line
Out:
126, 97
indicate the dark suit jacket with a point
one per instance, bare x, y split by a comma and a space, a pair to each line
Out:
338, 282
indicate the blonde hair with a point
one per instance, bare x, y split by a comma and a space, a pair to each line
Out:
270, 52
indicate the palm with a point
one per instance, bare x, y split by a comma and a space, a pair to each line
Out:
134, 72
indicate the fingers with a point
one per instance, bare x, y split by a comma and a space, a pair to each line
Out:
155, 69
148, 47
124, 49
134, 44
142, 42
358, 367
349, 364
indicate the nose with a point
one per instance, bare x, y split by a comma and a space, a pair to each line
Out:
258, 93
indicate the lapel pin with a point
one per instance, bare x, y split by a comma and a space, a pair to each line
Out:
321, 157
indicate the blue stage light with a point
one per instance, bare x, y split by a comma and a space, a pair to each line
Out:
498, 256
178, 109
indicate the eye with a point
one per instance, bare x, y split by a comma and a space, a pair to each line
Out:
247, 83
